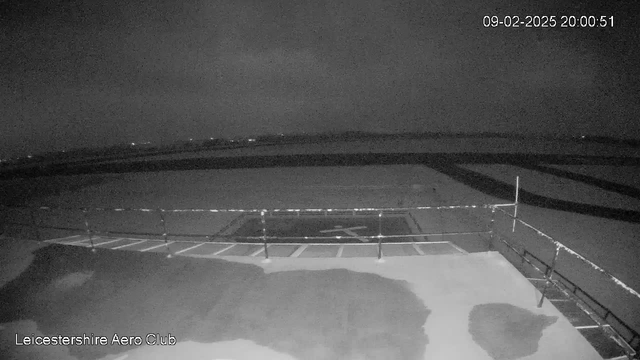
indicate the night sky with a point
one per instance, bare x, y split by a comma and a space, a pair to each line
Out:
96, 73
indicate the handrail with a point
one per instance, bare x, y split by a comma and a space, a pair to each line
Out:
577, 255
259, 210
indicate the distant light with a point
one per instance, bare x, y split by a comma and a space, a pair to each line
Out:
133, 144
29, 156
190, 139
582, 137
210, 138
252, 140
281, 134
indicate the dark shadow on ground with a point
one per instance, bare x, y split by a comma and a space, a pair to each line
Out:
590, 180
507, 332
355, 159
17, 192
330, 314
443, 162
499, 189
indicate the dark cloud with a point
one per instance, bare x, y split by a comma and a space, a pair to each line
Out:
77, 73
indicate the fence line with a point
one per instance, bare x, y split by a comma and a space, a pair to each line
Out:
265, 238
560, 245
275, 210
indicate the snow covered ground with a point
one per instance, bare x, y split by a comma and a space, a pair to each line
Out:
610, 243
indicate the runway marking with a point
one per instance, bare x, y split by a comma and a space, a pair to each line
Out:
108, 242
420, 252
189, 248
299, 251
458, 248
125, 245
560, 300
223, 250
61, 239
75, 242
255, 253
157, 246
348, 231
340, 250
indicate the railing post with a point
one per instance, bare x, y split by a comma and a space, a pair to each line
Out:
85, 213
492, 228
550, 277
34, 224
380, 237
515, 209
164, 232
264, 237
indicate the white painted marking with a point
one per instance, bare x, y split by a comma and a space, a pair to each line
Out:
458, 248
156, 246
415, 246
260, 250
340, 251
122, 357
299, 251
75, 242
559, 300
125, 245
108, 242
62, 239
223, 250
189, 248
348, 231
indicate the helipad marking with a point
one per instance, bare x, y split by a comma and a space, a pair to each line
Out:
458, 248
299, 251
61, 239
223, 250
348, 231
76, 242
189, 248
260, 250
125, 245
340, 250
109, 242
415, 246
156, 246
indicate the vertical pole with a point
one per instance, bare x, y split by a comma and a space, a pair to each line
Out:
380, 236
85, 213
34, 224
264, 237
515, 210
550, 276
492, 228
163, 223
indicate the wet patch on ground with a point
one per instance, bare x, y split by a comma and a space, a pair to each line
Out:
329, 314
507, 332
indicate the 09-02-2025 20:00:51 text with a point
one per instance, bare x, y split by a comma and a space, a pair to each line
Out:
548, 21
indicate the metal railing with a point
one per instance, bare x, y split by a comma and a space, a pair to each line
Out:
264, 238
599, 313
631, 343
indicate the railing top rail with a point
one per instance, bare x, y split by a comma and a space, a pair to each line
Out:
560, 245
275, 210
